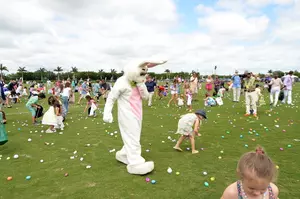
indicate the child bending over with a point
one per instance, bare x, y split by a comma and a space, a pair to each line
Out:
185, 128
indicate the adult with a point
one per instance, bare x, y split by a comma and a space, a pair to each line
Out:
236, 86
151, 85
250, 95
84, 91
65, 95
276, 85
209, 84
105, 89
3, 97
288, 85
96, 90
194, 83
217, 84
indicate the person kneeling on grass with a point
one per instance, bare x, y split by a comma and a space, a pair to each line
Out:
91, 106
32, 105
185, 128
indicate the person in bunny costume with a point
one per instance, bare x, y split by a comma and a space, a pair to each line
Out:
129, 90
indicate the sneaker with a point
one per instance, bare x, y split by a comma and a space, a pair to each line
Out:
195, 152
247, 114
50, 131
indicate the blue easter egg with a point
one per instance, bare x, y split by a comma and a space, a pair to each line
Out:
257, 134
206, 184
153, 182
28, 177
246, 145
19, 129
241, 136
222, 137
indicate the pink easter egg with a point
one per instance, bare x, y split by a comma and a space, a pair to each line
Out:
281, 149
147, 179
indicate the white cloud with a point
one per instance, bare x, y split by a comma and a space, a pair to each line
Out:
105, 34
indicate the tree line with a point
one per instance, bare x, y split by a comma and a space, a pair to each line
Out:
42, 74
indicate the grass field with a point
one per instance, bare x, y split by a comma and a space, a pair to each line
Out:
109, 179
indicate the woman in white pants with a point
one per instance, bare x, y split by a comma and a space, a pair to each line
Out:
276, 85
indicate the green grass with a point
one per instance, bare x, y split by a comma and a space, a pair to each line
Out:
109, 179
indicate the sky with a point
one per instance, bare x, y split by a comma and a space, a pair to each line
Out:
254, 35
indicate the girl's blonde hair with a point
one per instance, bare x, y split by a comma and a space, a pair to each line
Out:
259, 163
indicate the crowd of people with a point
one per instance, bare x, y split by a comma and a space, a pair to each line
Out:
181, 92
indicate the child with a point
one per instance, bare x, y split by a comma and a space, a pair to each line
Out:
209, 101
256, 172
31, 105
161, 91
59, 114
189, 96
24, 93
3, 134
185, 128
92, 106
49, 117
258, 96
221, 92
180, 101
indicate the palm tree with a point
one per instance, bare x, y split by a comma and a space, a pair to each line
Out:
58, 70
101, 71
168, 73
22, 70
42, 71
2, 68
270, 71
113, 72
74, 71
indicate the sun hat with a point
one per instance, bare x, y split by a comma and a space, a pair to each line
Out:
202, 113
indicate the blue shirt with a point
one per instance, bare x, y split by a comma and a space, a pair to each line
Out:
84, 86
236, 81
150, 86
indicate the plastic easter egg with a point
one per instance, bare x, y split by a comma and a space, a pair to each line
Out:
212, 179
246, 145
221, 151
169, 170
204, 173
28, 177
177, 173
241, 136
9, 178
147, 179
222, 137
66, 174
206, 184
281, 149
16, 156
220, 157
277, 167
153, 181
289, 146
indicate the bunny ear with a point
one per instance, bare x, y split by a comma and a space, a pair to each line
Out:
153, 64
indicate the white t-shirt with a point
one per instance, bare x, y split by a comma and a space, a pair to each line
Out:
180, 102
66, 92
19, 89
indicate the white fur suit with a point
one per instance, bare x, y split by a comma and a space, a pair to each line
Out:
129, 90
